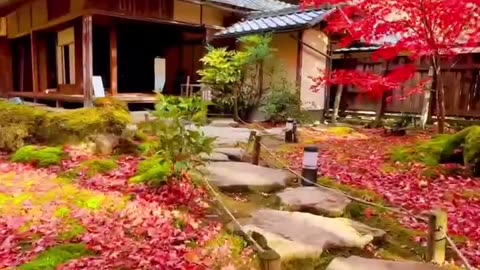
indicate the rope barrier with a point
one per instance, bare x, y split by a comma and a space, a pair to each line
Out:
401, 211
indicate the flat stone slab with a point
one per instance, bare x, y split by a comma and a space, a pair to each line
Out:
214, 156
359, 263
314, 200
235, 154
238, 176
302, 235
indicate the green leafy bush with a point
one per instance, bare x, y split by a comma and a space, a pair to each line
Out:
178, 139
154, 171
283, 101
236, 73
39, 156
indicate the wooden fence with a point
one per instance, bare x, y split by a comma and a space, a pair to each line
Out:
461, 84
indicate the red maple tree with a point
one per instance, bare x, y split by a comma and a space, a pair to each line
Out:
435, 30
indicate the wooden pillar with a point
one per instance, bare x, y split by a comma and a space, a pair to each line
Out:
42, 64
34, 55
87, 55
6, 68
113, 61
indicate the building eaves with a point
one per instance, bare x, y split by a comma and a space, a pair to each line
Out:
288, 19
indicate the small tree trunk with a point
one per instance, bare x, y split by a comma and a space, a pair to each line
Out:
427, 99
336, 105
425, 107
236, 117
379, 111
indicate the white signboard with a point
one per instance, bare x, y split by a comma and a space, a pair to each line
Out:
98, 89
160, 74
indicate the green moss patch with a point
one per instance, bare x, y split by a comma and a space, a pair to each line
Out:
56, 256
340, 131
242, 205
98, 166
39, 156
22, 124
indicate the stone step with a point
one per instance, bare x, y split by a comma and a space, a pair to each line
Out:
314, 200
235, 154
214, 157
238, 176
302, 235
359, 263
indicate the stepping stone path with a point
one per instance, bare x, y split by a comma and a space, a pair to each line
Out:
359, 263
314, 200
303, 235
293, 234
238, 176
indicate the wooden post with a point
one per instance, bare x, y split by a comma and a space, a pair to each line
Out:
437, 229
256, 150
113, 61
270, 260
87, 60
34, 55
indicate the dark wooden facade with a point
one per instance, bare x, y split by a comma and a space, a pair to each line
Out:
52, 48
461, 77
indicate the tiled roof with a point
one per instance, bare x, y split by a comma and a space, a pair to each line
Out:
256, 5
283, 20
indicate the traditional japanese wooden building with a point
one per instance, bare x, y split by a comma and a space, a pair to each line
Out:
55, 50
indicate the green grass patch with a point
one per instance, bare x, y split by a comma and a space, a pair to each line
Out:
56, 256
39, 156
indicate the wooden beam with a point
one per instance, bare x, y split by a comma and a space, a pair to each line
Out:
87, 55
113, 61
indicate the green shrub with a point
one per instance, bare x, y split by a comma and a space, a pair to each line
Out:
176, 146
56, 256
154, 171
98, 166
228, 72
39, 156
283, 102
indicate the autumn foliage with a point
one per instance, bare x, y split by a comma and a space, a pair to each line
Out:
435, 31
